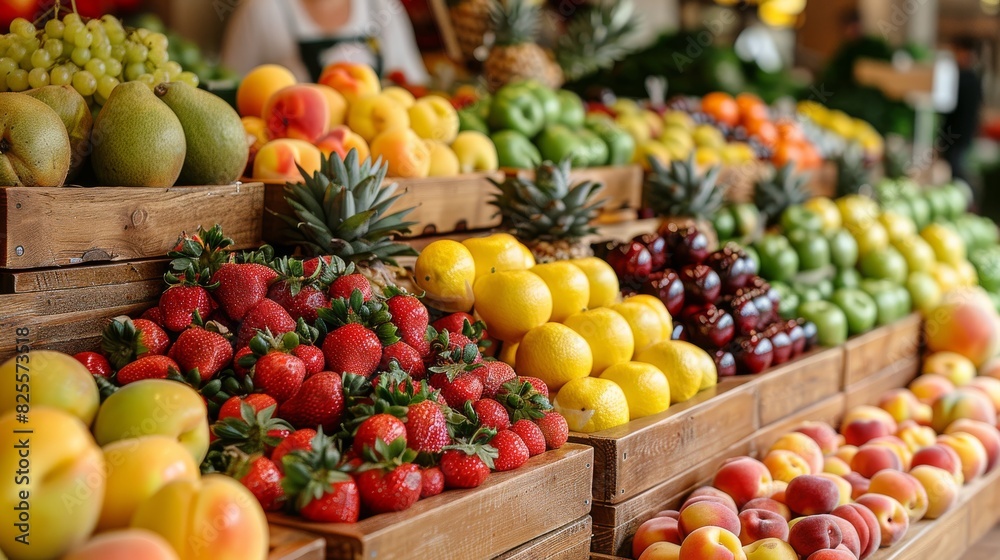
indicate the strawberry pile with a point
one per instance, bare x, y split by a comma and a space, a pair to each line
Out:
327, 398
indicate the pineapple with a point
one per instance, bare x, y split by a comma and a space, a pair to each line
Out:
594, 40
548, 215
342, 210
514, 55
471, 20
779, 190
853, 172
683, 196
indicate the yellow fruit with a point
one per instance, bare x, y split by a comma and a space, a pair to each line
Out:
707, 156
604, 288
646, 388
707, 136
555, 354
947, 245
967, 275
529, 257
897, 226
856, 210
609, 336
828, 212
591, 404
569, 286
654, 303
687, 367
402, 96
646, 324
508, 353
946, 276
446, 271
495, 253
871, 236
512, 303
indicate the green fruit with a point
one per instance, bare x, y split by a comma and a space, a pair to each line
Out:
920, 210
76, 117
925, 294
515, 108
846, 278
788, 300
798, 217
843, 249
557, 142
515, 150
825, 287
887, 263
551, 106
831, 323
138, 141
35, 149
858, 307
217, 148
571, 110
469, 120
957, 203
747, 219
778, 260
620, 144
724, 223
597, 150
812, 248
887, 299
940, 204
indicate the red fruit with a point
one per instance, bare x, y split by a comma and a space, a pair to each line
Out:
454, 323
406, 356
339, 504
237, 368
491, 414
493, 375
155, 339
153, 314
266, 315
390, 490
381, 426
354, 349
512, 451
259, 401
465, 387
733, 267
433, 482
299, 439
206, 351
686, 244
309, 267
303, 304
178, 304
657, 247
264, 481
712, 327
319, 402
459, 340
241, 287
554, 428
725, 363
462, 470
279, 375
667, 286
95, 363
782, 344
344, 286
631, 261
745, 314
753, 354
531, 435
147, 367
537, 383
426, 427
701, 283
312, 357
411, 318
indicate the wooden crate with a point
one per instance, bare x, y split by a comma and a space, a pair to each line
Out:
868, 390
874, 351
823, 181
45, 227
571, 542
289, 544
510, 509
798, 384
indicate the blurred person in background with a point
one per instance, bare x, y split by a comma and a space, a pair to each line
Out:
961, 126
306, 35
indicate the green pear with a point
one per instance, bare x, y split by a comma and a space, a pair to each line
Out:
34, 145
76, 116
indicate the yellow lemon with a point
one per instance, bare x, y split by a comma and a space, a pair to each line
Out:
871, 236
529, 257
967, 274
555, 354
508, 353
446, 271
654, 303
946, 276
828, 212
569, 286
591, 404
512, 302
947, 244
646, 325
687, 367
856, 209
495, 253
604, 288
608, 334
898, 227
646, 388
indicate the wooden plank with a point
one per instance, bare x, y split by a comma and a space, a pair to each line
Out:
550, 491
800, 383
43, 227
829, 410
874, 351
51, 279
70, 331
571, 542
869, 390
37, 307
984, 508
289, 544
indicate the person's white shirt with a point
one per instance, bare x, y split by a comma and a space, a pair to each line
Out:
268, 32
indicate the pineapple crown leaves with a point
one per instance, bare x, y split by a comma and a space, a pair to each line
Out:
196, 258
122, 342
854, 174
476, 442
387, 456
309, 474
251, 432
596, 38
372, 314
779, 189
343, 209
514, 22
681, 190
523, 401
547, 208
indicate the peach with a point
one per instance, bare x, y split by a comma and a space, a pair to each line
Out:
866, 526
785, 465
940, 456
812, 495
257, 136
476, 152
916, 436
124, 545
711, 491
965, 323
839, 553
988, 385
300, 112
815, 532
906, 489
56, 380
822, 433
898, 446
402, 95
277, 160
337, 104
860, 432
872, 458
843, 486
657, 529
721, 500
259, 85
930, 387
892, 518
867, 412
803, 446
712, 543
963, 402
985, 433
776, 490
353, 81
991, 368
941, 488
759, 524
407, 155
835, 465
743, 478
434, 118
671, 513
444, 162
970, 450
846, 453
375, 115
769, 505
953, 366
661, 551
770, 549
850, 541
707, 514
859, 484
341, 140
902, 404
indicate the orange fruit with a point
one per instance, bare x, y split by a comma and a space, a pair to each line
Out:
722, 107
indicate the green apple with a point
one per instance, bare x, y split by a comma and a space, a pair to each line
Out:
825, 287
887, 300
515, 150
924, 291
515, 108
885, 263
939, 202
597, 150
958, 202
469, 120
807, 292
797, 217
724, 223
557, 142
920, 210
620, 144
551, 106
917, 253
788, 300
812, 248
778, 260
846, 278
843, 249
858, 307
571, 110
831, 323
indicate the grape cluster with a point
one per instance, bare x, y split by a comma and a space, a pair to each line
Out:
92, 56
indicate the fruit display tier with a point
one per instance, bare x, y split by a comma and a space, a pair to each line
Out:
550, 493
289, 544
46, 227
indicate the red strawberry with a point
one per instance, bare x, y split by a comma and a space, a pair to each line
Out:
266, 315
537, 383
154, 338
319, 402
241, 287
352, 348
385, 427
312, 357
344, 286
554, 428
237, 368
318, 486
153, 314
390, 490
459, 340
433, 482
512, 451
303, 304
465, 387
259, 401
147, 367
178, 304
406, 356
279, 375
531, 435
341, 503
263, 479
454, 323
426, 427
491, 414
299, 439
494, 374
462, 470
95, 363
206, 351
309, 267
411, 318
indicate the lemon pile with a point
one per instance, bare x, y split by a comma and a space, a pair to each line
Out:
605, 361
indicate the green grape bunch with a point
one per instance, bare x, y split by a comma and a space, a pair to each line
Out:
92, 56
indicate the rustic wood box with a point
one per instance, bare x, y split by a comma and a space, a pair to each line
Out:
571, 542
46, 227
510, 509
872, 352
289, 544
895, 375
800, 383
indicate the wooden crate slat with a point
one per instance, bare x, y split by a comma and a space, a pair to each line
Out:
872, 352
829, 410
44, 227
289, 544
37, 306
550, 491
68, 330
67, 278
800, 383
571, 542
894, 376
